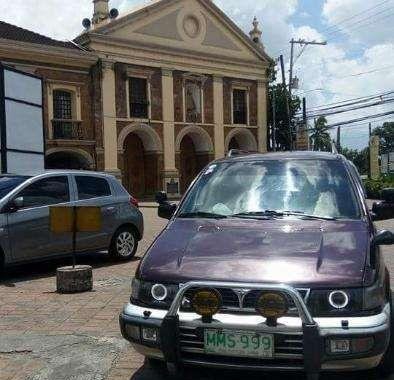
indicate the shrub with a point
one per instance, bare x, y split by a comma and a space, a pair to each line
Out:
374, 187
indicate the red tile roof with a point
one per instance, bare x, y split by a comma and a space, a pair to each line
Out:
15, 33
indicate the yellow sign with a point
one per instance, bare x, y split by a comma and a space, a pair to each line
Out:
61, 219
87, 219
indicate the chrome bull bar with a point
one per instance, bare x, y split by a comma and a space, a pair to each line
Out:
302, 309
313, 343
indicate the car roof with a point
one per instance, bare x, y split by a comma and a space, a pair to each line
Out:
301, 155
34, 173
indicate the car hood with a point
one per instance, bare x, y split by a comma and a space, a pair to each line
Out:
293, 251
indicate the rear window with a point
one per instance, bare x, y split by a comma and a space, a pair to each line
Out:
92, 187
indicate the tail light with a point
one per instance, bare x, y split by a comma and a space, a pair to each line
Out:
134, 201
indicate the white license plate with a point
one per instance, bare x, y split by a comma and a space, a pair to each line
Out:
238, 343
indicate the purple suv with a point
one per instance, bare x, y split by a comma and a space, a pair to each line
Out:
269, 262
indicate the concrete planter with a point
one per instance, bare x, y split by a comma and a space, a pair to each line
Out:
74, 279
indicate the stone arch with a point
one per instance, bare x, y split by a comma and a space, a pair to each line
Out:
69, 158
201, 139
244, 138
194, 150
140, 156
149, 137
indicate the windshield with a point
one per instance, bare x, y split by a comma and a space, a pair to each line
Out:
315, 188
7, 184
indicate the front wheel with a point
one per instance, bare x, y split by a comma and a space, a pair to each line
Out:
124, 243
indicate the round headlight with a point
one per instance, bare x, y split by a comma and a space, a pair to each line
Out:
338, 299
206, 302
159, 292
272, 305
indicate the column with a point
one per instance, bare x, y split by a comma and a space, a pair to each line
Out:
170, 174
218, 117
262, 115
109, 119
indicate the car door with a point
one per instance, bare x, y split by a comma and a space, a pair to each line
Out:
95, 191
28, 225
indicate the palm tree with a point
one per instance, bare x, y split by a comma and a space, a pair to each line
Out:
320, 138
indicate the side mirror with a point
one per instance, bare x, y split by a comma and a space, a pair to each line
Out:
161, 197
382, 210
383, 237
19, 202
166, 210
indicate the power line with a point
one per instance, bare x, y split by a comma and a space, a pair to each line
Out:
346, 122
355, 15
350, 103
380, 103
371, 96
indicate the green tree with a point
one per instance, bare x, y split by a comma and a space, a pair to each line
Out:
320, 138
386, 137
283, 137
360, 158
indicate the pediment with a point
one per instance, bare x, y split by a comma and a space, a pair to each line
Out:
189, 25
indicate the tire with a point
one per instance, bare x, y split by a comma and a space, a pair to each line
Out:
156, 365
386, 366
124, 243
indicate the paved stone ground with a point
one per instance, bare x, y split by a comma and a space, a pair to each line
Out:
48, 336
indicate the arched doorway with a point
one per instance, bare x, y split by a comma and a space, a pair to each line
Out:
68, 159
195, 148
141, 171
241, 138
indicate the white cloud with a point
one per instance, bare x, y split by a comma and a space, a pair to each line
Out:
367, 22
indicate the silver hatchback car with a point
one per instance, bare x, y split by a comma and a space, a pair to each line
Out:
24, 215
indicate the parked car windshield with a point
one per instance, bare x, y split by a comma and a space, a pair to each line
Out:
319, 188
7, 184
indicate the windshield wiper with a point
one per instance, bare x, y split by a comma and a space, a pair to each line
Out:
266, 214
309, 216
274, 213
201, 214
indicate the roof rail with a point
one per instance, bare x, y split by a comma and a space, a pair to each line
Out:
238, 152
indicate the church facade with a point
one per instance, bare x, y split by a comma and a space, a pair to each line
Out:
152, 96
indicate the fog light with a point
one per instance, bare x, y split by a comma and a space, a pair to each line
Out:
362, 344
339, 346
133, 331
149, 334
206, 302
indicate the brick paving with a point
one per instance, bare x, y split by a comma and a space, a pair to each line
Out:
48, 336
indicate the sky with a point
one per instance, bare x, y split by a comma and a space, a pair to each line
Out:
357, 61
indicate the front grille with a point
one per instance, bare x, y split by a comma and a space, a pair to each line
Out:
243, 300
288, 350
289, 345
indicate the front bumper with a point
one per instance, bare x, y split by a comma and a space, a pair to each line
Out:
300, 342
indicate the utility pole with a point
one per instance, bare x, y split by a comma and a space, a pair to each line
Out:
339, 139
274, 119
304, 43
282, 66
301, 42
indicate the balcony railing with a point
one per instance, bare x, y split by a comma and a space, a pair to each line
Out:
65, 129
